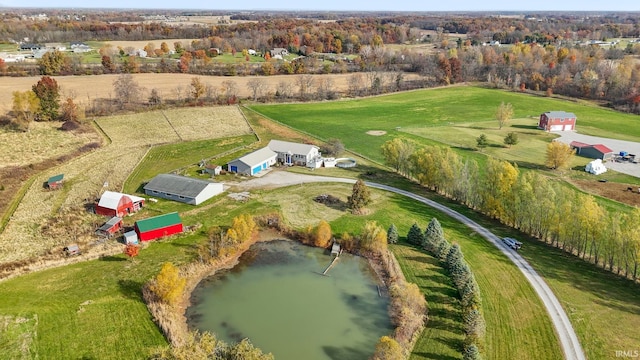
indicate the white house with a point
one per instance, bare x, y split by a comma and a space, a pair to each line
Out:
290, 153
253, 163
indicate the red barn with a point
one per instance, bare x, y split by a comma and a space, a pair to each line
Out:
557, 121
158, 226
117, 204
110, 227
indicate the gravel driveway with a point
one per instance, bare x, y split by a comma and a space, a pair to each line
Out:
613, 144
566, 334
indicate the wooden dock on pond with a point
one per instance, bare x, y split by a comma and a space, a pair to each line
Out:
332, 262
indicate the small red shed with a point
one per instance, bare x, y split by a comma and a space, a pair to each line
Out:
110, 227
557, 121
55, 182
158, 226
116, 204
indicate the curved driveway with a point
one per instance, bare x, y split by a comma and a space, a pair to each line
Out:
568, 339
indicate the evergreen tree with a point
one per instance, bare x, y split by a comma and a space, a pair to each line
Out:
443, 249
459, 274
470, 293
392, 234
471, 352
360, 197
454, 257
433, 236
414, 236
474, 325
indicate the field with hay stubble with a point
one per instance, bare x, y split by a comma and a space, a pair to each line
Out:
106, 168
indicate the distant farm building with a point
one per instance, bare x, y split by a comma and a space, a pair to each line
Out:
158, 226
557, 121
253, 163
131, 237
110, 227
290, 153
212, 169
55, 182
597, 151
182, 188
116, 204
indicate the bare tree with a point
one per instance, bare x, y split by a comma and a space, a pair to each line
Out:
356, 84
230, 89
257, 86
127, 90
284, 89
305, 84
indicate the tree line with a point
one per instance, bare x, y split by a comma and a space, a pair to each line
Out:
528, 201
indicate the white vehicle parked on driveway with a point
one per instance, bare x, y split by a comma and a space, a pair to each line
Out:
512, 243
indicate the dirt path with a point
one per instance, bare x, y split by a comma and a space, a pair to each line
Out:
568, 339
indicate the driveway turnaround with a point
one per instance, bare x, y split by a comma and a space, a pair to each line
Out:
617, 146
568, 339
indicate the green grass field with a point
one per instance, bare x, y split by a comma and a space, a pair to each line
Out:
455, 114
350, 120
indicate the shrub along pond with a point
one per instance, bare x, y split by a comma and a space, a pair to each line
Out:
278, 298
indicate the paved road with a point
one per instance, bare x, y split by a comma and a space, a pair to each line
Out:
568, 339
616, 145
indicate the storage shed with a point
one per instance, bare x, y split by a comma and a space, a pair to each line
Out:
158, 226
55, 182
131, 237
110, 227
253, 163
182, 188
117, 204
597, 151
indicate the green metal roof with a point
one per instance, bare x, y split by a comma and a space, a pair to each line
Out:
158, 222
55, 178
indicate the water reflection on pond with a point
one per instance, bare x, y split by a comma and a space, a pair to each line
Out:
277, 297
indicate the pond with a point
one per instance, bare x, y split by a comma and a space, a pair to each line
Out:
278, 298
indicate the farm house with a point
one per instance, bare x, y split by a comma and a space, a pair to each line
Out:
290, 153
557, 121
158, 226
110, 227
116, 204
253, 163
182, 188
55, 182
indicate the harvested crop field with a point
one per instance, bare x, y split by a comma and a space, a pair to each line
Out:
46, 220
88, 88
611, 190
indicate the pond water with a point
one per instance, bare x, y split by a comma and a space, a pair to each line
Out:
277, 297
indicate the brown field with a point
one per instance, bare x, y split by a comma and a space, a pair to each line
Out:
141, 44
615, 191
47, 220
85, 89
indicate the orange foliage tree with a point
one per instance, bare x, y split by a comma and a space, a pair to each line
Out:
322, 234
131, 250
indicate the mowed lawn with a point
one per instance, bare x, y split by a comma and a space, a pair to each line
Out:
448, 109
350, 120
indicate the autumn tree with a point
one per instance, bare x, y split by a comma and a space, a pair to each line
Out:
70, 111
130, 65
511, 139
387, 349
48, 93
360, 197
504, 114
558, 155
52, 63
242, 228
322, 234
3, 67
198, 88
24, 108
127, 90
108, 64
131, 250
397, 153
373, 238
168, 285
392, 234
154, 97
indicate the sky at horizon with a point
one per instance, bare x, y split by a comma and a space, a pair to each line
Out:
340, 5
